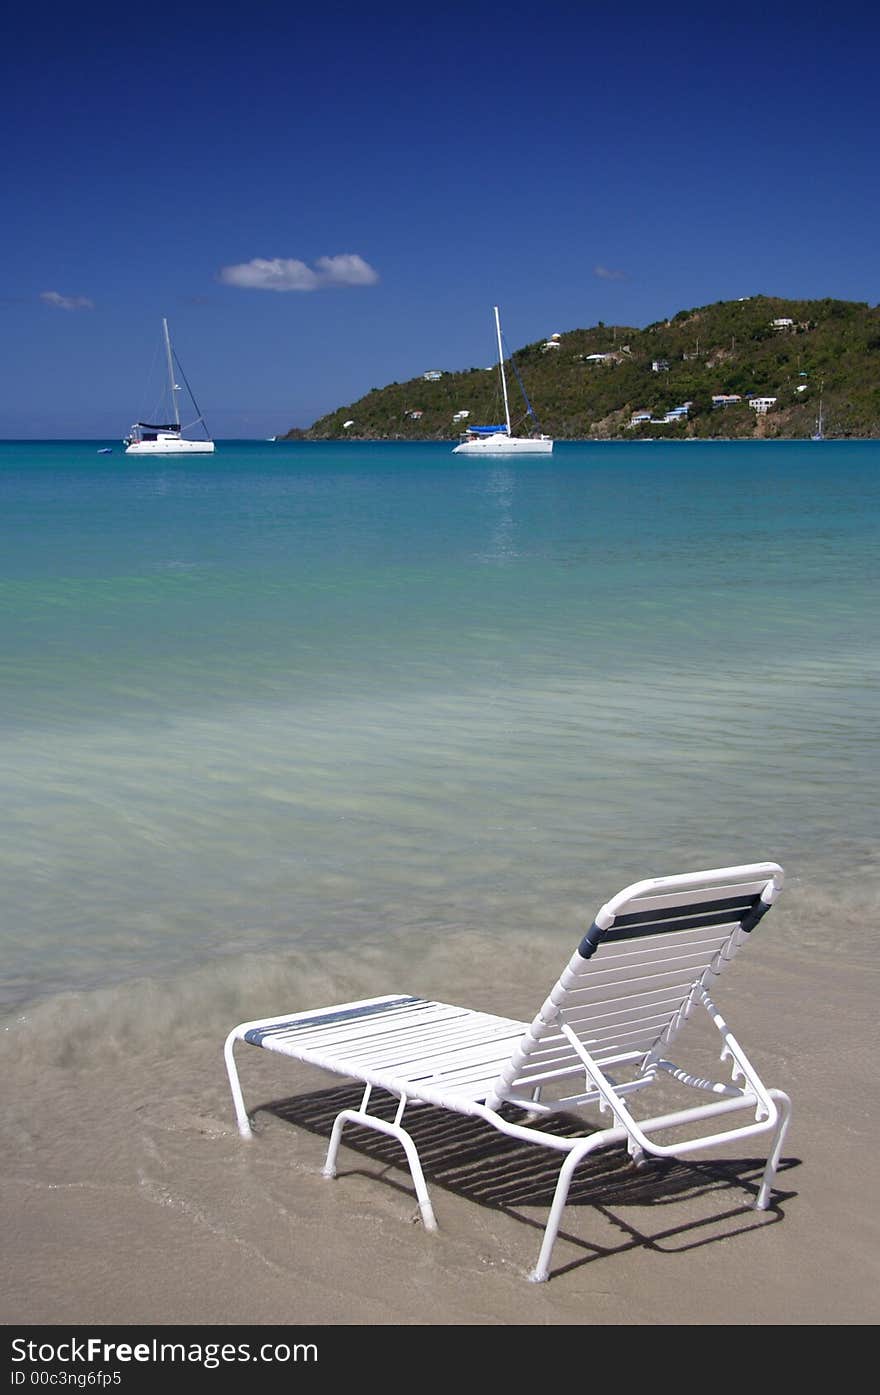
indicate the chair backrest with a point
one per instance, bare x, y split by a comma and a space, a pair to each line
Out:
632, 981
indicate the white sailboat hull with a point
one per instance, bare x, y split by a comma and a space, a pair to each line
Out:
503, 444
492, 440
170, 445
164, 437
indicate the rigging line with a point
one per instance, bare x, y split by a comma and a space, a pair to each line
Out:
190, 391
529, 408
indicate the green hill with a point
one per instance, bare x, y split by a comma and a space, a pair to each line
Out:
731, 347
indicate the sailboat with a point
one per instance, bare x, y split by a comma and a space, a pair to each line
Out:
500, 440
148, 438
819, 433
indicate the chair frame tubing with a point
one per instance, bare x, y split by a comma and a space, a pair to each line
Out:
432, 1079
774, 1105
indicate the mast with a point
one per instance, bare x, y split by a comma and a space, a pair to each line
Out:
820, 426
171, 381
501, 370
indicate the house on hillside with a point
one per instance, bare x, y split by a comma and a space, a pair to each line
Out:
762, 404
725, 399
432, 376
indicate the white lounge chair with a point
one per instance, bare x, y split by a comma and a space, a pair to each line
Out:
648, 961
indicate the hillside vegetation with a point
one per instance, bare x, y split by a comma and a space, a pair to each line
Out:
832, 347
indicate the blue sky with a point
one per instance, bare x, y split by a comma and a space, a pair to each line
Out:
324, 201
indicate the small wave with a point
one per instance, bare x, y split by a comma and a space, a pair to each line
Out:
509, 971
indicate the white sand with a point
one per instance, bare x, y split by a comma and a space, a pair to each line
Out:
129, 1198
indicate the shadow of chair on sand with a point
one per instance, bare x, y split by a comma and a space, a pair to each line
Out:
472, 1160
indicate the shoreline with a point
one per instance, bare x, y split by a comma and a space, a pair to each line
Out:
573, 440
130, 1198
252, 441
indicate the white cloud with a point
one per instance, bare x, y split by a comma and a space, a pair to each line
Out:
605, 273
288, 274
277, 274
346, 270
67, 302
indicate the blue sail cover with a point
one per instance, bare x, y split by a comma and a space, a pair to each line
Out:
487, 430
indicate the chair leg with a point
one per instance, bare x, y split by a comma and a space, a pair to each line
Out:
784, 1103
369, 1121
241, 1115
541, 1271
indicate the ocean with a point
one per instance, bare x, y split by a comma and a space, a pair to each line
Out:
303, 698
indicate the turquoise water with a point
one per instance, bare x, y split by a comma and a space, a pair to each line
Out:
308, 695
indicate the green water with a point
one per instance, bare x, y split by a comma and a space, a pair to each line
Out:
309, 695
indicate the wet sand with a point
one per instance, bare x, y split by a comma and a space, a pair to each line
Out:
128, 1197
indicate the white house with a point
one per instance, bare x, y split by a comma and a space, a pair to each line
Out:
432, 375
782, 324
762, 404
660, 365
460, 416
597, 358
638, 417
725, 399
416, 414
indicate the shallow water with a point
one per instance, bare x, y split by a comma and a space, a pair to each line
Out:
306, 700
